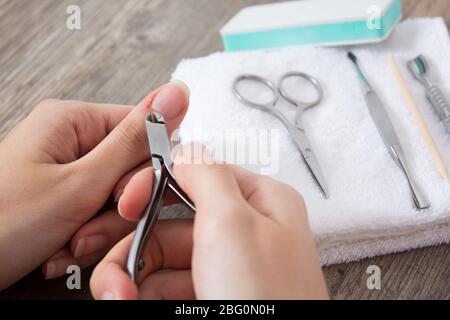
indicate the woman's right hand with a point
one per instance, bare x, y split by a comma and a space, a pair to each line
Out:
250, 240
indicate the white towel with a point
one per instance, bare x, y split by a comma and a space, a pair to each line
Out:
369, 211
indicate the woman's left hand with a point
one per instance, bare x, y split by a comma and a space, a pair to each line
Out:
59, 166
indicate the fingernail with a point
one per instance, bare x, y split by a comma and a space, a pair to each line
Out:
183, 86
119, 204
50, 270
107, 296
58, 267
90, 244
171, 100
118, 195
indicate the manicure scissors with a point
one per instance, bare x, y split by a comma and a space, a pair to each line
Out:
163, 180
296, 130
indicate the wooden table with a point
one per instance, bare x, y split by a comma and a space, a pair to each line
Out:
126, 48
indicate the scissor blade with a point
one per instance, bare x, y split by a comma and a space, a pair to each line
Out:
304, 146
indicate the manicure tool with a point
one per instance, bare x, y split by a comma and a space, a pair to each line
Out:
418, 117
163, 179
420, 69
388, 134
296, 131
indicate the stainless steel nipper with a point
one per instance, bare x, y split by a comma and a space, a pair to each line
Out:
162, 163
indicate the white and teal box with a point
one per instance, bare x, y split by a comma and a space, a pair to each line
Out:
311, 22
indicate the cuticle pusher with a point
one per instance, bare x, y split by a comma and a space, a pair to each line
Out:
389, 135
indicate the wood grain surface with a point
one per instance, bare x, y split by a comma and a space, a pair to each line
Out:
123, 50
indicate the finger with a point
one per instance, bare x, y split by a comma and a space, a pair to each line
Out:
100, 234
110, 281
108, 116
120, 186
126, 146
57, 266
168, 285
169, 247
89, 244
269, 197
208, 184
136, 195
82, 124
92, 122
232, 189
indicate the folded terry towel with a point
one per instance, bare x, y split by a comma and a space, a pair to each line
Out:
369, 211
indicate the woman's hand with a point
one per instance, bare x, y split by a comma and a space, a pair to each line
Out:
250, 240
58, 167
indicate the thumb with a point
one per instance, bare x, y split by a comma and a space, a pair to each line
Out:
127, 146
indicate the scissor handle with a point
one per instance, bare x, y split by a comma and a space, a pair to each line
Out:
266, 107
301, 104
254, 78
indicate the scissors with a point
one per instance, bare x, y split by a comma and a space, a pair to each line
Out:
163, 180
296, 130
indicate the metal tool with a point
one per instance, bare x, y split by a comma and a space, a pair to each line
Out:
296, 131
420, 69
163, 180
388, 134
414, 110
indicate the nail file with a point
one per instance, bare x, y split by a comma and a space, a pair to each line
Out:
311, 22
